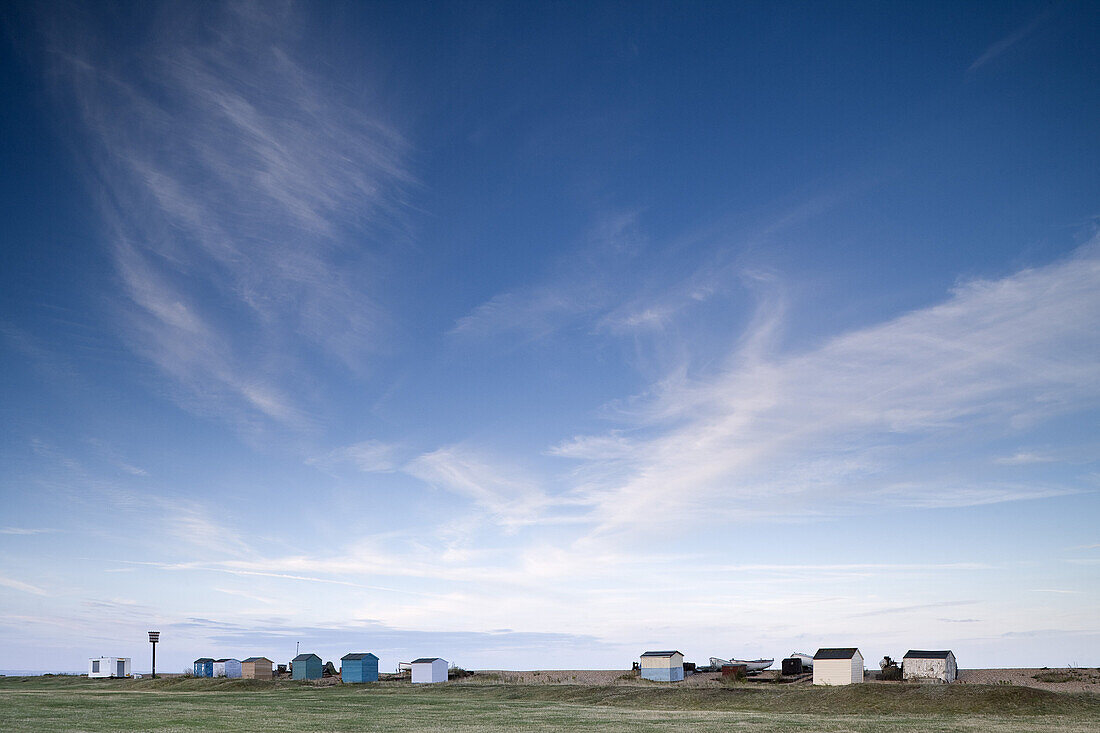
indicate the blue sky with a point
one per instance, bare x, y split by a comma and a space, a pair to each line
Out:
536, 336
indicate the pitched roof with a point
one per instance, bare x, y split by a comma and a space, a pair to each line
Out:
838, 653
258, 659
661, 654
358, 655
423, 660
305, 658
925, 654
226, 659
204, 659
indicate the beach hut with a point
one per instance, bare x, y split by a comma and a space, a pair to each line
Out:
204, 667
929, 666
662, 666
256, 668
427, 670
105, 667
843, 666
359, 667
230, 668
307, 667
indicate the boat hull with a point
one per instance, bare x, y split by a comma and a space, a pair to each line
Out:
754, 665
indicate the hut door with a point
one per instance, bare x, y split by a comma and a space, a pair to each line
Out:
121, 668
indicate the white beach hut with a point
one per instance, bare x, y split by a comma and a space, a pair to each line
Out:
427, 670
842, 666
230, 668
930, 666
104, 667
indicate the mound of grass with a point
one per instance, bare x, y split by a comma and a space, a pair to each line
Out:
206, 684
887, 701
803, 699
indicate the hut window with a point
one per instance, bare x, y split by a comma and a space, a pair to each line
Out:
95, 665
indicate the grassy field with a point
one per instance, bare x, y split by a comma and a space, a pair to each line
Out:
76, 704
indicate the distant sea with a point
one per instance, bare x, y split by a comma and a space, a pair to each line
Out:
31, 672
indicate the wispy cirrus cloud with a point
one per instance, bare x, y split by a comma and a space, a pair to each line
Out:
616, 281
1023, 458
237, 191
915, 607
505, 493
369, 456
880, 416
22, 586
576, 290
1003, 45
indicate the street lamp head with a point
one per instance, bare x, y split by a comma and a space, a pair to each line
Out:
154, 637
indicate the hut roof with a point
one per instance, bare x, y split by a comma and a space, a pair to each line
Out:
662, 654
204, 659
424, 660
258, 659
305, 658
925, 654
840, 653
358, 655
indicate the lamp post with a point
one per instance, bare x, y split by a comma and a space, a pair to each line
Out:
154, 637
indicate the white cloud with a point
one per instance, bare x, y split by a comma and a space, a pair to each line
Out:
237, 192
504, 492
577, 288
871, 417
1003, 45
189, 524
369, 456
245, 594
536, 311
1023, 458
876, 567
603, 447
21, 586
26, 530
657, 307
240, 568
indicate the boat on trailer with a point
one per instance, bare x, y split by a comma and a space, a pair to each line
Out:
751, 665
754, 665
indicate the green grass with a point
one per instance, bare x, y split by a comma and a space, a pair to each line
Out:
76, 704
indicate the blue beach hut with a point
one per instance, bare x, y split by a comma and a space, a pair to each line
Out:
359, 667
307, 667
204, 667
